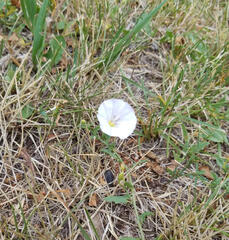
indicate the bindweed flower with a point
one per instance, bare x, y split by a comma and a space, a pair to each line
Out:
116, 118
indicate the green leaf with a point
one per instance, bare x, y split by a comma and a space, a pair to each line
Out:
44, 114
196, 148
11, 69
200, 46
209, 132
128, 185
222, 162
60, 25
27, 111
39, 33
118, 199
57, 45
216, 186
168, 37
217, 135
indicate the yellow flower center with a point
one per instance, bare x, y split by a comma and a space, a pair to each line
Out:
112, 124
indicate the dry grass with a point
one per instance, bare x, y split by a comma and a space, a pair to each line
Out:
53, 155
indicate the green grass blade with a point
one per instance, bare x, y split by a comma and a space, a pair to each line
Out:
15, 218
125, 41
1, 47
83, 232
39, 33
29, 11
92, 224
25, 12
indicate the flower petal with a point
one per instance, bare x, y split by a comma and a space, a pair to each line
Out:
121, 113
105, 109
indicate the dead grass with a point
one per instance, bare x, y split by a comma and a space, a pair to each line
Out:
52, 158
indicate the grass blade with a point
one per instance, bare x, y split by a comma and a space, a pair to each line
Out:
125, 41
15, 218
92, 224
84, 233
38, 43
29, 10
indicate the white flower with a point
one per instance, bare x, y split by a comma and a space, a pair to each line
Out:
116, 118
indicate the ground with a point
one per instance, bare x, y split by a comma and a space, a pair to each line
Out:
59, 60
